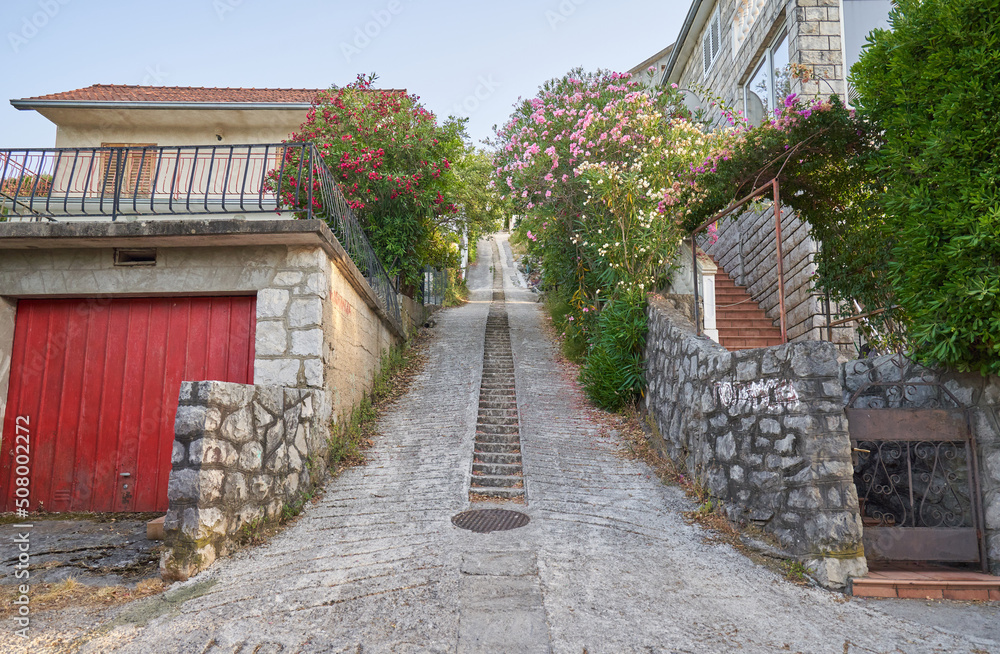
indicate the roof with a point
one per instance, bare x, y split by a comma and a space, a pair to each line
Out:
698, 14
156, 97
641, 68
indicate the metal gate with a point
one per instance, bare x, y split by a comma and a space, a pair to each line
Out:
916, 472
93, 394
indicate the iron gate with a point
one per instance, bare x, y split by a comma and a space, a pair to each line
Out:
916, 472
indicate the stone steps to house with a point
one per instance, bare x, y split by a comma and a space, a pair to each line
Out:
926, 582
742, 324
498, 448
511, 438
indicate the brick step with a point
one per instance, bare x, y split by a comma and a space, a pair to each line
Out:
927, 583
737, 309
498, 469
736, 332
500, 493
496, 457
495, 481
745, 323
740, 343
506, 448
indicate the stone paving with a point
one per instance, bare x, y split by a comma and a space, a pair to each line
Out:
606, 564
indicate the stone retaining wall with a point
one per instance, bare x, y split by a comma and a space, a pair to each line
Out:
765, 430
241, 454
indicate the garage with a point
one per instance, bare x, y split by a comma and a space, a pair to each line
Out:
94, 384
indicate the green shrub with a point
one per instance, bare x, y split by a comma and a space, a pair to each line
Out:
931, 84
613, 372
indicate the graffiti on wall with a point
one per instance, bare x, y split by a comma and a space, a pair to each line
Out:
758, 394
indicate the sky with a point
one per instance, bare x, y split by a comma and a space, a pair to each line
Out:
471, 58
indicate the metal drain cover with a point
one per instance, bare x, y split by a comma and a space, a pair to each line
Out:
483, 521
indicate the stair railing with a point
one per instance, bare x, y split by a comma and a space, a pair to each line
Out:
774, 186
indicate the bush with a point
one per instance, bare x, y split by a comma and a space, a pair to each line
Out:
931, 84
613, 372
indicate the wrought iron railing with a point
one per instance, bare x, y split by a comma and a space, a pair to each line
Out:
113, 183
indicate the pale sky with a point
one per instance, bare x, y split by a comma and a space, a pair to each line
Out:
462, 57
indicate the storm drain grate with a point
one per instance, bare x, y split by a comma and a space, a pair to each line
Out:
483, 521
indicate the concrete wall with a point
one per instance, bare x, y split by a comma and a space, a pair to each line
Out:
765, 430
980, 395
87, 128
242, 453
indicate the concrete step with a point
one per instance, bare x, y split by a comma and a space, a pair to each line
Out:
482, 437
497, 481
496, 457
489, 429
499, 493
506, 412
915, 582
505, 448
498, 469
497, 420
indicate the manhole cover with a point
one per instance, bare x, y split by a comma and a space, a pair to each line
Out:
483, 521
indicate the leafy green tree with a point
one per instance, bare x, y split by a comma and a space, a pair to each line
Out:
931, 85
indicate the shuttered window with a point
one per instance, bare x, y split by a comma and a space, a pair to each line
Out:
137, 168
712, 41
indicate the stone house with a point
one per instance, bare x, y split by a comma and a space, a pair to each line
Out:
746, 51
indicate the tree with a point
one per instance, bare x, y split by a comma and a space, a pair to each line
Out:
931, 85
393, 162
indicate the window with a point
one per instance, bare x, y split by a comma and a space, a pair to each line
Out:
137, 168
712, 41
770, 83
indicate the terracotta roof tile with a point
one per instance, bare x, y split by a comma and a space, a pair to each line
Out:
126, 93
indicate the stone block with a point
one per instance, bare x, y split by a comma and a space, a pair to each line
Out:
195, 420
272, 339
835, 573
769, 426
315, 285
736, 474
307, 342
295, 463
210, 486
306, 312
278, 372
291, 485
235, 490
229, 395
302, 440
212, 524
725, 447
746, 370
277, 462
182, 486
272, 303
287, 278
786, 445
806, 499
251, 457
260, 488
212, 451
179, 454
238, 426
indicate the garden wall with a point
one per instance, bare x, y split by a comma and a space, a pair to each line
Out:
765, 431
241, 454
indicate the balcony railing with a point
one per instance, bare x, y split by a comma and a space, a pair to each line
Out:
112, 183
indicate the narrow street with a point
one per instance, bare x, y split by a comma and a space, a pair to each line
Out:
605, 565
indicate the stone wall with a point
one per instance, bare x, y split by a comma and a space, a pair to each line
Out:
241, 454
765, 430
980, 395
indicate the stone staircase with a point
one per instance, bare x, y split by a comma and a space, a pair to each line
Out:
741, 322
922, 581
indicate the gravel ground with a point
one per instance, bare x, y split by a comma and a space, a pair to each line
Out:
607, 564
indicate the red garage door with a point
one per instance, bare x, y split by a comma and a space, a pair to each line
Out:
94, 383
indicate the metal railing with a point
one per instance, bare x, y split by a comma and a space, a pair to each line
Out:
434, 286
111, 183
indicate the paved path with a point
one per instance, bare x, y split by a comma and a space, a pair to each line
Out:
605, 565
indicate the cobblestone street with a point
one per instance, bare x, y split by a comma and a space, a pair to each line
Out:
606, 565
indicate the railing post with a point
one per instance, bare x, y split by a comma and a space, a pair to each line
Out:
119, 174
694, 278
781, 273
